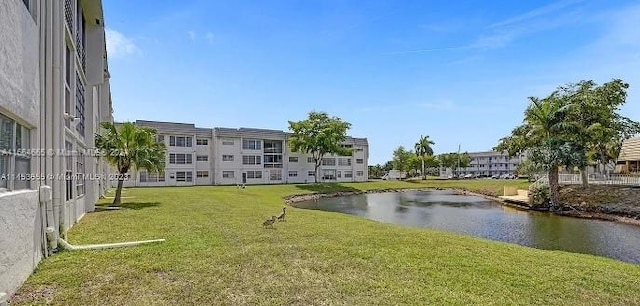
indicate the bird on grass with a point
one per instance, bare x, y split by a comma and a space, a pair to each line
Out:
282, 214
269, 222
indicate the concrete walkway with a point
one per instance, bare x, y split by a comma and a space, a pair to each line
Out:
519, 196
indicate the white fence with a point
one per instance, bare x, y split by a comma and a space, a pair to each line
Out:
601, 179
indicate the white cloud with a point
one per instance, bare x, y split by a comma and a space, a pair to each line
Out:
439, 105
209, 37
192, 35
119, 46
535, 13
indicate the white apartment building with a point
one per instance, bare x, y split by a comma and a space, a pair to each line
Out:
54, 92
491, 163
227, 156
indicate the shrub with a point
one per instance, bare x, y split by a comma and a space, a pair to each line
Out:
539, 196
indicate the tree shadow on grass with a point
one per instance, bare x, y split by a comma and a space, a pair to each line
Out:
415, 181
130, 205
326, 188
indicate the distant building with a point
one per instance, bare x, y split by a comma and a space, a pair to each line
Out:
629, 158
491, 163
228, 156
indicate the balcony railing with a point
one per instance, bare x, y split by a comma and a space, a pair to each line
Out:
68, 14
80, 48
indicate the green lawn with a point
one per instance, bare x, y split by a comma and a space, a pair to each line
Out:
217, 253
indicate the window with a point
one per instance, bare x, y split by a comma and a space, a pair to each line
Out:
202, 142
184, 176
68, 70
180, 141
80, 186
272, 160
30, 6
359, 173
344, 161
227, 142
227, 174
202, 174
14, 140
80, 34
151, 177
180, 159
251, 144
273, 146
328, 161
293, 159
359, 149
160, 138
348, 174
227, 157
251, 159
275, 175
311, 173
80, 104
202, 158
329, 174
310, 160
293, 173
339, 174
254, 174
69, 170
359, 161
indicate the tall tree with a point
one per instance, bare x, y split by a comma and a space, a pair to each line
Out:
388, 166
547, 131
431, 162
129, 146
319, 135
455, 160
402, 159
376, 171
423, 149
600, 128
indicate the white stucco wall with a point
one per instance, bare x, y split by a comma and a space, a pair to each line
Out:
19, 64
20, 238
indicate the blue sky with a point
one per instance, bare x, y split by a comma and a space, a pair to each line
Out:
458, 71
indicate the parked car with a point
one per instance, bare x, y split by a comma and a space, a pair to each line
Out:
468, 176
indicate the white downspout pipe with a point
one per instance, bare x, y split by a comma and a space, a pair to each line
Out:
58, 110
65, 245
46, 92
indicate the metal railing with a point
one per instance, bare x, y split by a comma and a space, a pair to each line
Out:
68, 14
601, 179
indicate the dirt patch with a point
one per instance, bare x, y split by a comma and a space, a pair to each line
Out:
43, 294
603, 202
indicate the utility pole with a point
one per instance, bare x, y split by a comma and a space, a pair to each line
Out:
458, 161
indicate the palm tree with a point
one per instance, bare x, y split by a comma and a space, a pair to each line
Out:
547, 131
130, 146
423, 149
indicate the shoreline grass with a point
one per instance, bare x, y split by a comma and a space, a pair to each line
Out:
218, 253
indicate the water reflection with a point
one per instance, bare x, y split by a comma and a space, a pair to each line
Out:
478, 216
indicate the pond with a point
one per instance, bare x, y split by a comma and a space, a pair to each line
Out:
477, 216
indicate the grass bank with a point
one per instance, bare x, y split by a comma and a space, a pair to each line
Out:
217, 253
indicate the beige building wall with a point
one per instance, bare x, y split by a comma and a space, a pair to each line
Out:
54, 91
223, 156
629, 158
